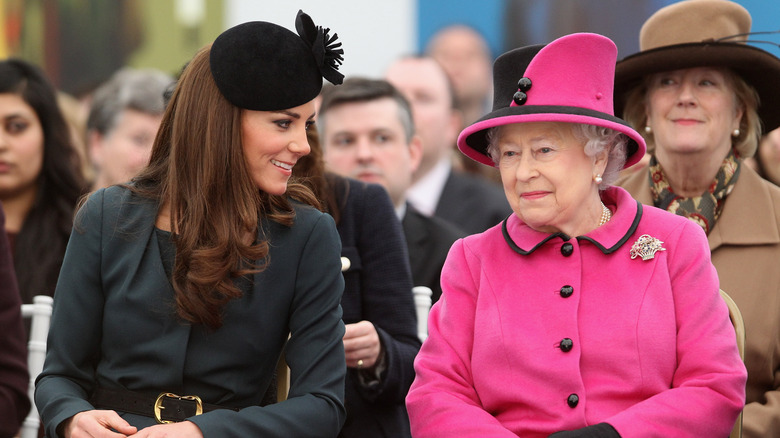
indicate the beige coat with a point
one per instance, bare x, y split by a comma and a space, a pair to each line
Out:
745, 245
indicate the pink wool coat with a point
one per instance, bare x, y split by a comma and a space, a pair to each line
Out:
745, 246
539, 333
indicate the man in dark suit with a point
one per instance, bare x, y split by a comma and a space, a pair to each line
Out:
367, 133
429, 240
472, 203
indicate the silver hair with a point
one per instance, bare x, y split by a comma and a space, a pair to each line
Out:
595, 138
137, 89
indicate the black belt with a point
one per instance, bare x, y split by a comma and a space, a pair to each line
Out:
165, 408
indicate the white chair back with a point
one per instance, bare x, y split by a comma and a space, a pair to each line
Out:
422, 303
40, 314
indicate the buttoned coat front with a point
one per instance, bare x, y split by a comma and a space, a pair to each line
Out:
113, 326
745, 245
539, 333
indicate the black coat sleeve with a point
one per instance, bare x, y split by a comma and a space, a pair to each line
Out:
382, 290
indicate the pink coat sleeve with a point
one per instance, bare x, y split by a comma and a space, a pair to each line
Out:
708, 389
442, 401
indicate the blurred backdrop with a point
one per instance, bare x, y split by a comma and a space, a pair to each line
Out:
80, 43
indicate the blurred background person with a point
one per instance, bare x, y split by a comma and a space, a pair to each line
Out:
465, 56
766, 161
40, 177
470, 202
14, 378
699, 95
367, 133
124, 116
381, 341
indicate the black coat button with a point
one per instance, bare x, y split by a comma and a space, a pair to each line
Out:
567, 249
573, 400
566, 345
567, 291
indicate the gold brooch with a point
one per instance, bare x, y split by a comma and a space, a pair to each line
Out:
646, 247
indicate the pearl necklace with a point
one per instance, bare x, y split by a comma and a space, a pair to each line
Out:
606, 214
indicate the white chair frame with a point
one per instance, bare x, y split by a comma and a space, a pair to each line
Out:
40, 314
422, 304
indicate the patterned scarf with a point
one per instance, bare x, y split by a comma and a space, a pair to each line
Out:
705, 209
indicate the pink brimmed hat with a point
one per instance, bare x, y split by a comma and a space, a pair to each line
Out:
569, 80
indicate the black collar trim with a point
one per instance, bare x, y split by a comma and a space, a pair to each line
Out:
565, 237
521, 251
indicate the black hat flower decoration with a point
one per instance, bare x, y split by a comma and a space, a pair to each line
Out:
327, 52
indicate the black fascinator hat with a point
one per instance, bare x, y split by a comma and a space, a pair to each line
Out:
262, 66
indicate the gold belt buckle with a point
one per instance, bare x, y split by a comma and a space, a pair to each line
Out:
158, 405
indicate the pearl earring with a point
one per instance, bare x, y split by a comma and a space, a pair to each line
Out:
648, 130
735, 133
598, 179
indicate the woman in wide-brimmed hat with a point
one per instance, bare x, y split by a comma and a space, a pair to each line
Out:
583, 311
701, 97
179, 290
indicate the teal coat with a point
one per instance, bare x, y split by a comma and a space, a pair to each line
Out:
113, 326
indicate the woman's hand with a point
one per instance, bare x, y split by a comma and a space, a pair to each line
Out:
184, 429
97, 424
361, 343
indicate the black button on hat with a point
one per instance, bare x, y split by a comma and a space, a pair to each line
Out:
524, 84
567, 249
520, 98
567, 291
573, 400
566, 345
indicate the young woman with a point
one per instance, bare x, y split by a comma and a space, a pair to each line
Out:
179, 291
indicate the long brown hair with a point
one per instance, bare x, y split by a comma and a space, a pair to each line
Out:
198, 172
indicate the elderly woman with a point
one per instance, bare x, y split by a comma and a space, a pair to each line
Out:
699, 96
584, 314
